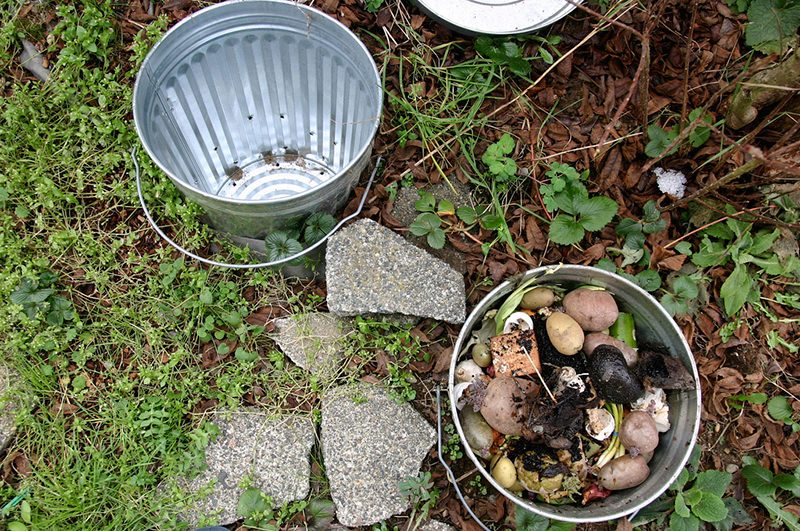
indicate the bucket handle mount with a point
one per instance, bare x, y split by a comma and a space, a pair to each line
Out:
272, 263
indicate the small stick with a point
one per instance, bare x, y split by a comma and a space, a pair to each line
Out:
535, 368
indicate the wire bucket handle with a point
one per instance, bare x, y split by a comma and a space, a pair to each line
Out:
285, 260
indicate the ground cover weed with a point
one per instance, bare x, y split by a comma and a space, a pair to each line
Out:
528, 521
694, 499
770, 489
422, 496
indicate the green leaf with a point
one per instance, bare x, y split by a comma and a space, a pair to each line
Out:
787, 482
27, 292
492, 221
25, 511
778, 512
684, 248
424, 224
528, 521
692, 496
759, 480
736, 289
659, 141
318, 225
714, 481
679, 523
547, 57
628, 226
779, 408
673, 305
565, 230
206, 297
16, 526
763, 240
606, 264
519, 66
710, 253
597, 212
755, 398
78, 383
244, 355
445, 208
771, 22
700, 134
467, 214
427, 203
21, 212
279, 246
680, 506
736, 516
436, 238
505, 144
685, 287
60, 310
648, 280
710, 508
570, 198
253, 501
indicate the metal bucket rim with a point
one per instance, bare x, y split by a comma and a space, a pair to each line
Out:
478, 312
191, 19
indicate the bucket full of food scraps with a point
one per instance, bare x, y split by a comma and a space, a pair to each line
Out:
575, 393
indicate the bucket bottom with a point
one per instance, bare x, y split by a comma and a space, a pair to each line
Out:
271, 176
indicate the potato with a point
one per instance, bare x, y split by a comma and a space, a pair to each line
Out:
565, 333
638, 432
594, 310
623, 473
505, 407
477, 432
504, 472
537, 298
594, 339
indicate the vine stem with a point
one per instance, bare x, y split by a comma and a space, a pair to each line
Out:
707, 225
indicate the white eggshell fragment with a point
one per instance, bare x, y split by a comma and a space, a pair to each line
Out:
655, 403
468, 371
517, 321
599, 423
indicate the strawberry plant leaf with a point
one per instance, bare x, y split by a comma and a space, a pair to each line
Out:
736, 289
565, 230
597, 212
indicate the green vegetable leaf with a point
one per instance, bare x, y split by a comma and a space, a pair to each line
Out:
565, 230
779, 408
714, 481
318, 225
597, 212
710, 508
736, 289
659, 141
424, 224
759, 480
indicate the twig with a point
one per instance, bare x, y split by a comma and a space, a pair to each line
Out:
607, 19
707, 225
535, 368
686, 63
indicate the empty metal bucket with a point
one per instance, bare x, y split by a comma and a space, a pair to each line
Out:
260, 111
653, 326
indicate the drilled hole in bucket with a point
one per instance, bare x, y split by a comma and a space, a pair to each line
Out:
311, 133
283, 116
250, 117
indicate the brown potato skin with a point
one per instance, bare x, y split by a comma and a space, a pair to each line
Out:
593, 310
565, 333
505, 408
623, 473
638, 430
539, 297
594, 339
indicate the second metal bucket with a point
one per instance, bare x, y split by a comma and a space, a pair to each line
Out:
260, 111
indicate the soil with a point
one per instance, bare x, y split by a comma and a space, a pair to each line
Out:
696, 49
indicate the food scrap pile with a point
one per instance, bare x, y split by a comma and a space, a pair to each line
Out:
554, 392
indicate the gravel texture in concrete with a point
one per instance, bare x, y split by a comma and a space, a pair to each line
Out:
313, 341
370, 443
370, 269
273, 454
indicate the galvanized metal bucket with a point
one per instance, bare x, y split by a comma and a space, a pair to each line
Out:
496, 17
260, 111
654, 326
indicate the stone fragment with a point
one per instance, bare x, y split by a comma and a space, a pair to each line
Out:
370, 269
370, 443
313, 341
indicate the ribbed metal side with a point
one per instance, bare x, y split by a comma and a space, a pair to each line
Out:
259, 110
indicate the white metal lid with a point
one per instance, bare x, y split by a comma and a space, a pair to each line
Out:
495, 17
